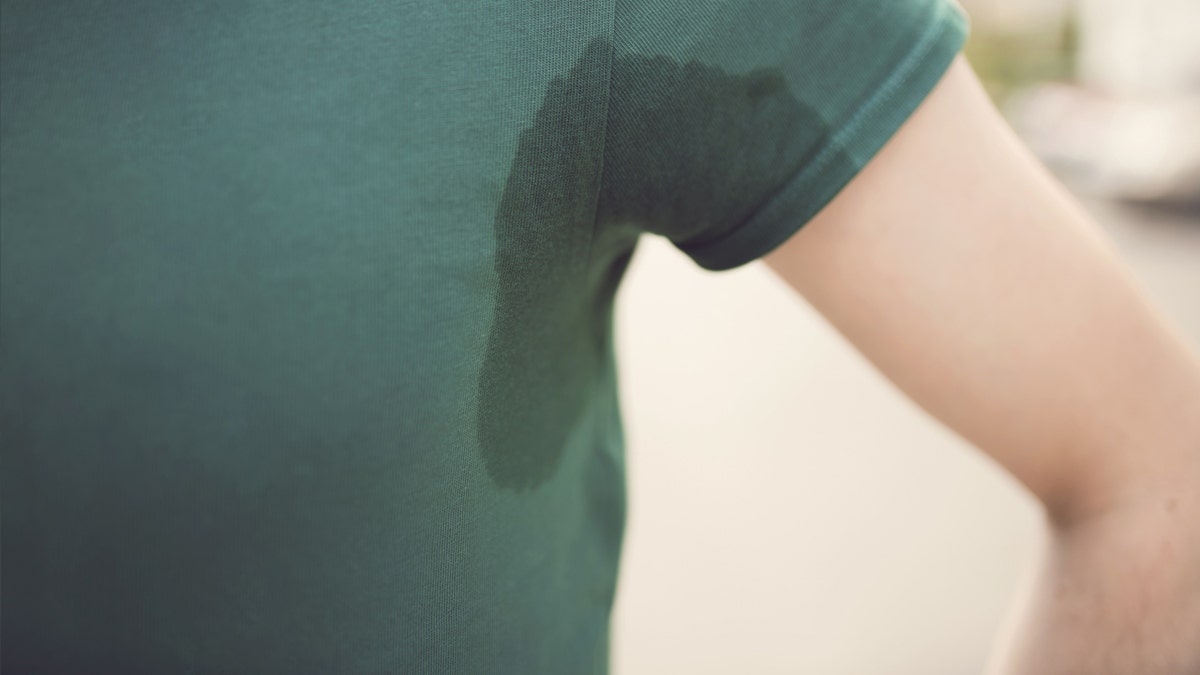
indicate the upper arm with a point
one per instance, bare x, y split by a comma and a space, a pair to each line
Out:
971, 279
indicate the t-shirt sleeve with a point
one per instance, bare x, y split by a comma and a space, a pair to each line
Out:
731, 124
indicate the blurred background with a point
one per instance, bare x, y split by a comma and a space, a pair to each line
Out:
790, 511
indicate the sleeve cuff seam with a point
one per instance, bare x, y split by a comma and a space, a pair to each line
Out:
762, 231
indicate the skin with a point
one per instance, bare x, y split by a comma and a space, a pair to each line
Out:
970, 277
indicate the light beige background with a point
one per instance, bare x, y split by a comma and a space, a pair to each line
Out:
791, 512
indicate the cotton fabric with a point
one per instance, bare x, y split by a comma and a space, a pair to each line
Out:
306, 307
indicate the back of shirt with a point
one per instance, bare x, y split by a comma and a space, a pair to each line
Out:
305, 308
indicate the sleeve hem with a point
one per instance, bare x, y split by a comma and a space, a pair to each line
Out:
860, 138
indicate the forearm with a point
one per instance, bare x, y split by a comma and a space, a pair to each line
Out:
1118, 591
1118, 594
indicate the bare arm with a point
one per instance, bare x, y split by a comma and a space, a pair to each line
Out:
975, 283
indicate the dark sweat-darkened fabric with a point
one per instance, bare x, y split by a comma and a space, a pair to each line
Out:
305, 307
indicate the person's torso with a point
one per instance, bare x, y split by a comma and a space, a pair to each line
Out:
306, 352
306, 338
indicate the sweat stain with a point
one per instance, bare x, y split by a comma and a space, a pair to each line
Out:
686, 150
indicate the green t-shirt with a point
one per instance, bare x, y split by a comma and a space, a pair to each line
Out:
307, 306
